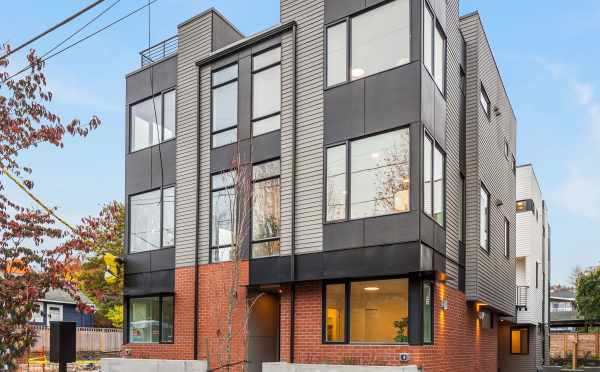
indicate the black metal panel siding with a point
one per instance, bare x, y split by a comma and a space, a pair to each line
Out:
490, 275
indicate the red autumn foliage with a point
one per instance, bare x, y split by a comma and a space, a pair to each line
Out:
28, 267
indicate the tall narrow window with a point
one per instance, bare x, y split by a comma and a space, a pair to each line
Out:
223, 216
266, 210
428, 176
380, 39
537, 274
427, 312
169, 108
519, 341
484, 218
224, 106
336, 183
440, 58
266, 92
438, 186
335, 312
152, 225
433, 181
461, 210
506, 237
434, 48
380, 178
484, 99
337, 48
428, 39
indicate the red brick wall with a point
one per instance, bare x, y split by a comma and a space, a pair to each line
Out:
460, 344
213, 285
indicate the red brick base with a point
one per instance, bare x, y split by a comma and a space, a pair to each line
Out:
460, 344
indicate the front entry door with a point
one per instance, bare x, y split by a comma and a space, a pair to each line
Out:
263, 327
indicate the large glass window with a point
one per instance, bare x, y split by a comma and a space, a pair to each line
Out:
434, 48
149, 126
380, 174
266, 92
152, 226
484, 218
223, 216
335, 313
519, 341
428, 39
336, 183
150, 319
224, 106
266, 209
374, 311
433, 181
484, 100
337, 49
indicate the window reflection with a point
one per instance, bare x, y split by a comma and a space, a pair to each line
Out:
266, 209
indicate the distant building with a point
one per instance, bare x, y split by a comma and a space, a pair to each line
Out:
563, 310
58, 305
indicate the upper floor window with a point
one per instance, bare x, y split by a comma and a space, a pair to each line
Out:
224, 210
525, 205
434, 48
266, 209
266, 92
379, 40
379, 176
152, 121
484, 218
506, 237
152, 223
484, 99
224, 106
433, 181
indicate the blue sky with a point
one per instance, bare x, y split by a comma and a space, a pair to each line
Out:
547, 55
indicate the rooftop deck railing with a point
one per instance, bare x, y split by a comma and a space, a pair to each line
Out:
159, 51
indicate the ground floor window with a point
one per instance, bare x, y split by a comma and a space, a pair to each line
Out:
367, 312
150, 319
519, 341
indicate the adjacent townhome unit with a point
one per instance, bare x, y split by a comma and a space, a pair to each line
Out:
350, 171
524, 343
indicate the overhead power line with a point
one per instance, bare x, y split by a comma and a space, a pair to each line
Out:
58, 25
85, 38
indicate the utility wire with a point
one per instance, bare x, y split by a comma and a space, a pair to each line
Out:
58, 25
84, 39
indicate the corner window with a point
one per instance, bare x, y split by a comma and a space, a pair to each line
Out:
434, 49
224, 106
433, 181
379, 176
484, 100
525, 205
266, 209
519, 341
372, 35
150, 320
152, 121
152, 220
266, 92
484, 218
378, 308
223, 204
506, 237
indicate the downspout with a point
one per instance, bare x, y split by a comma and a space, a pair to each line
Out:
196, 233
293, 232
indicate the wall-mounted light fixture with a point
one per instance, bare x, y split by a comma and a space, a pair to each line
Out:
444, 304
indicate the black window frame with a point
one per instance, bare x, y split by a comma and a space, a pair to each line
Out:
161, 297
489, 213
435, 146
212, 190
162, 119
506, 238
253, 73
436, 27
483, 93
162, 207
347, 311
520, 330
348, 174
254, 181
212, 102
348, 20
431, 284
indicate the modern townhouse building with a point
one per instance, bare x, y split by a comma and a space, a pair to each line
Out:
524, 345
380, 144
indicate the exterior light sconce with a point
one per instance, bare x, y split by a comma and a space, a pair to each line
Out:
481, 315
444, 304
499, 203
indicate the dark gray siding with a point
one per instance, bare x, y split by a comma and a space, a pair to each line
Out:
490, 275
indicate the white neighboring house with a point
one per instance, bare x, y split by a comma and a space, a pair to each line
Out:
532, 263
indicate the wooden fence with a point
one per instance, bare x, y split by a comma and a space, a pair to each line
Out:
561, 344
88, 339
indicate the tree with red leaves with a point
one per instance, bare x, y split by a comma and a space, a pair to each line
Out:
28, 269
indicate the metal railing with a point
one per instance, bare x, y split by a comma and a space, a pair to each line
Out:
159, 51
522, 297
